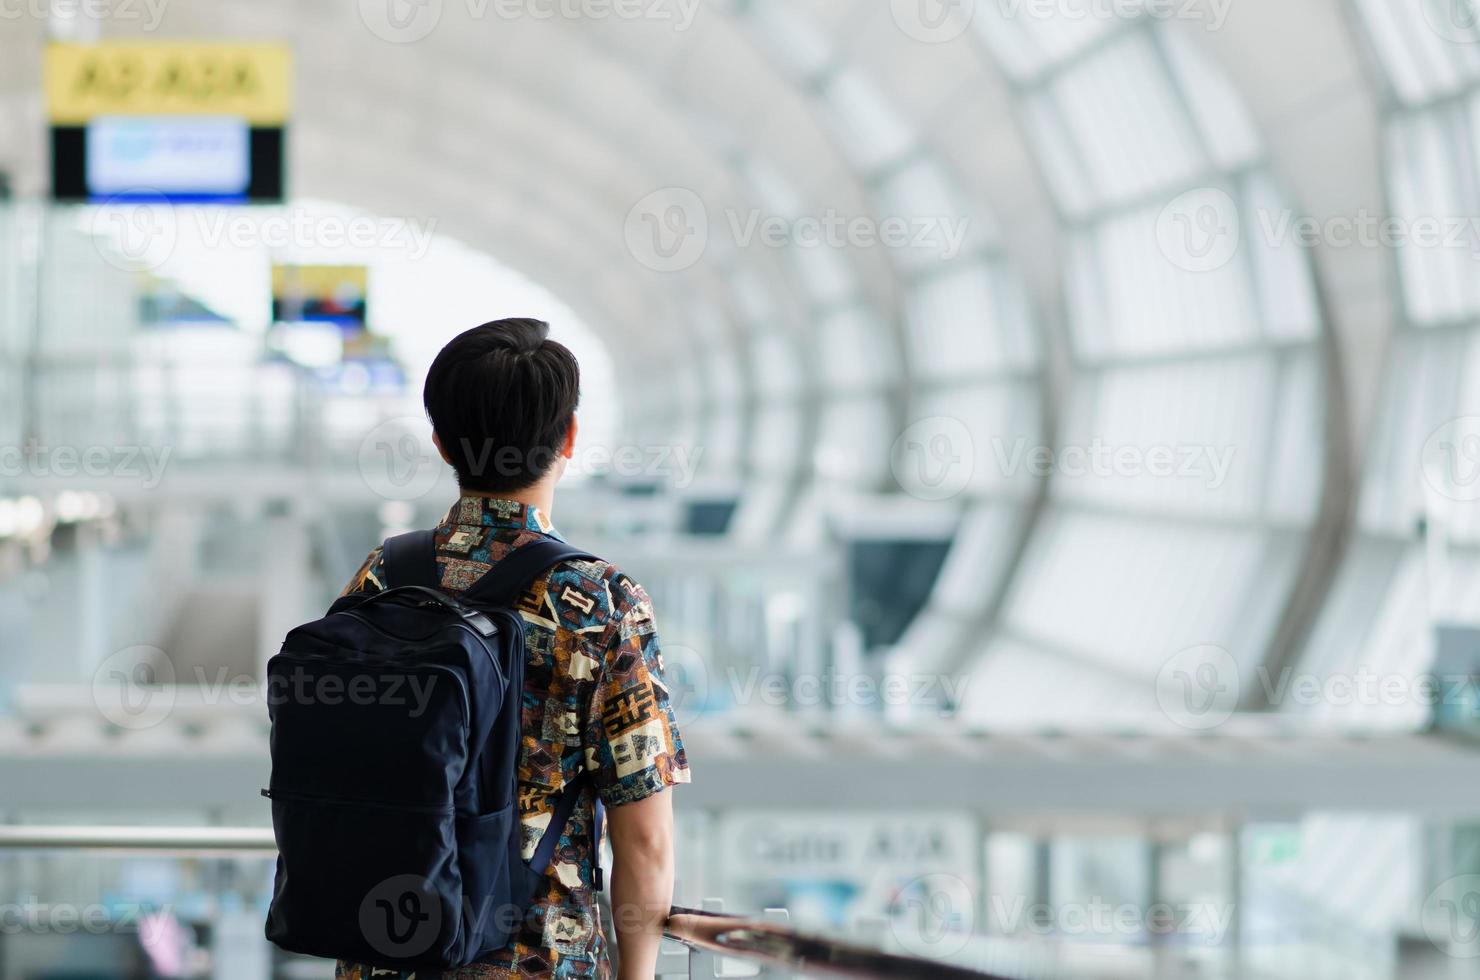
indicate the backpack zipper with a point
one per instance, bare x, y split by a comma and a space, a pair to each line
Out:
278, 795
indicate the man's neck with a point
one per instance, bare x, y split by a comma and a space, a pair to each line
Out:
540, 496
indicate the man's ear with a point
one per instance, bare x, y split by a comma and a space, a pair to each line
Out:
437, 441
569, 449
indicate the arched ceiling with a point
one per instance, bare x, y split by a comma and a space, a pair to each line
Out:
1061, 144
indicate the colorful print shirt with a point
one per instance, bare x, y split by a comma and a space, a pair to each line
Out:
594, 702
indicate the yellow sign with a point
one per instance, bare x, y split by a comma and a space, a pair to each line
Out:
164, 78
319, 280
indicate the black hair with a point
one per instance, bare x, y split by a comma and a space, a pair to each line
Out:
500, 398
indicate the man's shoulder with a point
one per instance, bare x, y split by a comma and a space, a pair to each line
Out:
593, 594
370, 577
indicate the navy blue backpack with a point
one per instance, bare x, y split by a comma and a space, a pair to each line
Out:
395, 744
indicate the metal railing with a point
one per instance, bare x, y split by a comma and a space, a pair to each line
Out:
776, 948
774, 945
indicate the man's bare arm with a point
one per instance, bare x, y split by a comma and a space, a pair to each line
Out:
642, 881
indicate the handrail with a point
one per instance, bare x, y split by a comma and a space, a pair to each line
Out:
727, 935
777, 945
154, 840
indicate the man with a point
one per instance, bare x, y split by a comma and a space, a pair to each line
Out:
502, 400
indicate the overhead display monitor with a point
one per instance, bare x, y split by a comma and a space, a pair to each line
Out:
178, 121
333, 294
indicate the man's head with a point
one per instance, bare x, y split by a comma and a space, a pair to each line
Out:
502, 400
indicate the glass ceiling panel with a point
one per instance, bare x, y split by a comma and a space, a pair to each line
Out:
1027, 39
1020, 687
1144, 288
825, 271
1427, 49
721, 443
991, 429
955, 330
776, 366
1143, 590
943, 227
861, 353
848, 449
1433, 380
1123, 112
1218, 112
1058, 155
1376, 620
1188, 438
797, 46
868, 128
1432, 162
777, 439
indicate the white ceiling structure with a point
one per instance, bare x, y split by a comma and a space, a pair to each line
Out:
1095, 163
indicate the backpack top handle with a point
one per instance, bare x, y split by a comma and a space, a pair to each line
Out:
411, 560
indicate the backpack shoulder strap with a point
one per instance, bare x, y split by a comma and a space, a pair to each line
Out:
513, 573
411, 559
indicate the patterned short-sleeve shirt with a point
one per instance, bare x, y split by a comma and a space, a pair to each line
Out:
594, 702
